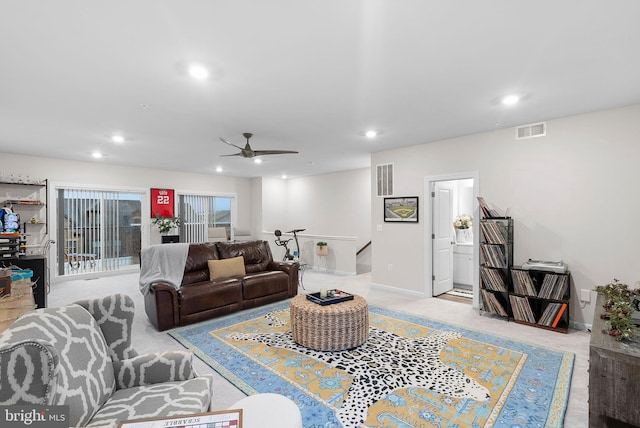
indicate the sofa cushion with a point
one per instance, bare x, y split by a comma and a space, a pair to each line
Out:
163, 399
73, 366
196, 298
264, 284
196, 268
257, 254
226, 268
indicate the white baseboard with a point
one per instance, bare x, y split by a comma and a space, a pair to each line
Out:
328, 271
398, 290
579, 326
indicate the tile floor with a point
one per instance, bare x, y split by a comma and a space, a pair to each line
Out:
147, 339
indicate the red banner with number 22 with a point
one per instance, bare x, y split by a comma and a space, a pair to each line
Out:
161, 203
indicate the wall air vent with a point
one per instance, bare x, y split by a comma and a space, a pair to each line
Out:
531, 131
384, 179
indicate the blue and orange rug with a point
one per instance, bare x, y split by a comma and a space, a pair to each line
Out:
412, 372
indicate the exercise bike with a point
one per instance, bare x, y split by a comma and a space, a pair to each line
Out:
284, 243
296, 254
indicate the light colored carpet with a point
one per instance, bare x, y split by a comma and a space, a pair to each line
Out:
147, 339
449, 376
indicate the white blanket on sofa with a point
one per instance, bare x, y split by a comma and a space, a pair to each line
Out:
162, 263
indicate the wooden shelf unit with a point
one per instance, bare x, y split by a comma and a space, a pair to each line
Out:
29, 199
496, 259
546, 295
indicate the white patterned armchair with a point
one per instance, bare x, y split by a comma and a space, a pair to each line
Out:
81, 356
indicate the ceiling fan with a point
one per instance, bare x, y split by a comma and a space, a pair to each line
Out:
248, 152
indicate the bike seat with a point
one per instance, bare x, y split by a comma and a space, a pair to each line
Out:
296, 230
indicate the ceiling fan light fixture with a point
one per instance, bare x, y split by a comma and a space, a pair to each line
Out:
198, 72
96, 155
119, 139
371, 133
510, 100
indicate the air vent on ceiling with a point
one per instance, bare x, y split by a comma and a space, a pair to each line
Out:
384, 179
531, 131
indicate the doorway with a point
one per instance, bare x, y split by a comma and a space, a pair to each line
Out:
451, 262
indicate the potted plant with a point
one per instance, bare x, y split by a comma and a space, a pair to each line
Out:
166, 225
322, 249
619, 306
462, 224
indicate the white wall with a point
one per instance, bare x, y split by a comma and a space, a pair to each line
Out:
572, 194
333, 207
274, 205
104, 176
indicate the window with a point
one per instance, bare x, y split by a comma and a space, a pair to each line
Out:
97, 230
200, 212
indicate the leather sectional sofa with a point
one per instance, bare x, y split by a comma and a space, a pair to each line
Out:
202, 295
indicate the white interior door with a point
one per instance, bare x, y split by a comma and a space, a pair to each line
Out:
442, 237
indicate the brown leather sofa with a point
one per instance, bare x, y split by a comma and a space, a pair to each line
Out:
198, 298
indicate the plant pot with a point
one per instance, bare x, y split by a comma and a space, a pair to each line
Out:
322, 251
170, 239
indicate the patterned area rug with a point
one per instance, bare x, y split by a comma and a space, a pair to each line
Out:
412, 372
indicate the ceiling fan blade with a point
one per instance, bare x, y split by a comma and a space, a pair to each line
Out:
248, 152
231, 144
273, 152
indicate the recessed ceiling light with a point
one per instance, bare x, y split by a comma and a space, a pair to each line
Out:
510, 100
219, 169
284, 176
117, 139
198, 72
257, 160
96, 155
371, 134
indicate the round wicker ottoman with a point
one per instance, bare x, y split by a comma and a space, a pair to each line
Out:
335, 327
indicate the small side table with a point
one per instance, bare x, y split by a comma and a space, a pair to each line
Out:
19, 303
269, 411
301, 269
335, 327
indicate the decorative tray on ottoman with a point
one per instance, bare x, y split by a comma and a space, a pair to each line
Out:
333, 296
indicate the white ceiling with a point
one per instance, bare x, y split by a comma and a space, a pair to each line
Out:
302, 75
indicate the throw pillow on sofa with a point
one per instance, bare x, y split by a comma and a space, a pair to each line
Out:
225, 268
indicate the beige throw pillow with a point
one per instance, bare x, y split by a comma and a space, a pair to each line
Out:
219, 269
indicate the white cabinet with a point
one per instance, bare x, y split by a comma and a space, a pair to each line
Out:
463, 267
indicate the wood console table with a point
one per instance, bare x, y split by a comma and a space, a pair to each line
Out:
18, 303
614, 378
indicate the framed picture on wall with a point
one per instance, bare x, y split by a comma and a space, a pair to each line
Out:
162, 203
402, 209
